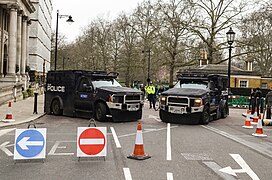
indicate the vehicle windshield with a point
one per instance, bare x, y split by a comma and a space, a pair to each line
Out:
199, 85
105, 82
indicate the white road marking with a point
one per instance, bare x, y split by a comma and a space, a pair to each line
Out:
5, 131
4, 148
56, 146
196, 156
245, 168
170, 176
253, 146
127, 174
155, 117
116, 140
215, 167
168, 143
156, 130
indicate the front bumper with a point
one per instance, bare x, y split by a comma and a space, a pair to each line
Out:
192, 118
125, 107
181, 109
125, 116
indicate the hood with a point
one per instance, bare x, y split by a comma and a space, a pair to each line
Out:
185, 92
117, 90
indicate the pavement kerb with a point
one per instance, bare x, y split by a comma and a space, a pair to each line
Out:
33, 118
22, 111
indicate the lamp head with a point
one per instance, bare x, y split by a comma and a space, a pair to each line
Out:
230, 36
70, 20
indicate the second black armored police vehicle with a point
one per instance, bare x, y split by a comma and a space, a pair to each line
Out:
196, 98
89, 94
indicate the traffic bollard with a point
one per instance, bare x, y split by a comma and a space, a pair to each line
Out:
35, 103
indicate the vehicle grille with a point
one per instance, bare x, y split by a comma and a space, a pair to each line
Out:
130, 99
178, 101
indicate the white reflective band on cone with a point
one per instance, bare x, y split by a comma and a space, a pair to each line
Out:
139, 138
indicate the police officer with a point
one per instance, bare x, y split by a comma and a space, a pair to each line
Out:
150, 90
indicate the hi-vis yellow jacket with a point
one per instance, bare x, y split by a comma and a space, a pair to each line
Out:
150, 89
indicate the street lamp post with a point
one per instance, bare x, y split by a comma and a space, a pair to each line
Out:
69, 20
148, 63
230, 40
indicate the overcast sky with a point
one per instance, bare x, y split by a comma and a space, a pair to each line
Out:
84, 11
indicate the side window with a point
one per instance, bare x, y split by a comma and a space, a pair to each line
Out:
82, 85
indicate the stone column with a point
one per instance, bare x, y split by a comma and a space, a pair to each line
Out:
19, 44
27, 50
24, 50
12, 45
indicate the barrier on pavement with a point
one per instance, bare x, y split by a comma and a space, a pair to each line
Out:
239, 101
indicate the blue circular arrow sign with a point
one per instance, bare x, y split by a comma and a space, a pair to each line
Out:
30, 143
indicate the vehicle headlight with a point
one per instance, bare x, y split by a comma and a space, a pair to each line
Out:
198, 102
117, 99
163, 100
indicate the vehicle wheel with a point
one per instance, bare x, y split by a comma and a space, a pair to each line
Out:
55, 107
101, 112
205, 117
139, 114
218, 114
163, 116
224, 113
160, 113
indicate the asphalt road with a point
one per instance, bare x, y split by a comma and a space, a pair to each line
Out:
177, 151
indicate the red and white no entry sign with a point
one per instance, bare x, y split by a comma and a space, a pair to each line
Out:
91, 141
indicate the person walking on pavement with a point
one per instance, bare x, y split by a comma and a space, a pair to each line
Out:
150, 90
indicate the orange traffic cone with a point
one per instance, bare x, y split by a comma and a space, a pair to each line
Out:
247, 112
138, 153
8, 117
255, 117
247, 122
259, 130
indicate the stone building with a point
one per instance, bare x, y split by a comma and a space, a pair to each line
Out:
40, 37
25, 43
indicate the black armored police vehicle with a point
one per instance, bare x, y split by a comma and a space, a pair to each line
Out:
89, 94
196, 98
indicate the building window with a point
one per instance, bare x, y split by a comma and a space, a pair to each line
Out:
264, 86
243, 83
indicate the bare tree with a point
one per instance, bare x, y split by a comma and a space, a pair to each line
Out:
176, 16
128, 51
116, 44
256, 39
213, 19
143, 24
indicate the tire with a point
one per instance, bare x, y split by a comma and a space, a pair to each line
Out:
164, 116
139, 114
218, 114
55, 108
161, 116
205, 117
101, 112
224, 112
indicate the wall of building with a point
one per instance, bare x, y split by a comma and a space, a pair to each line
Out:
40, 36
